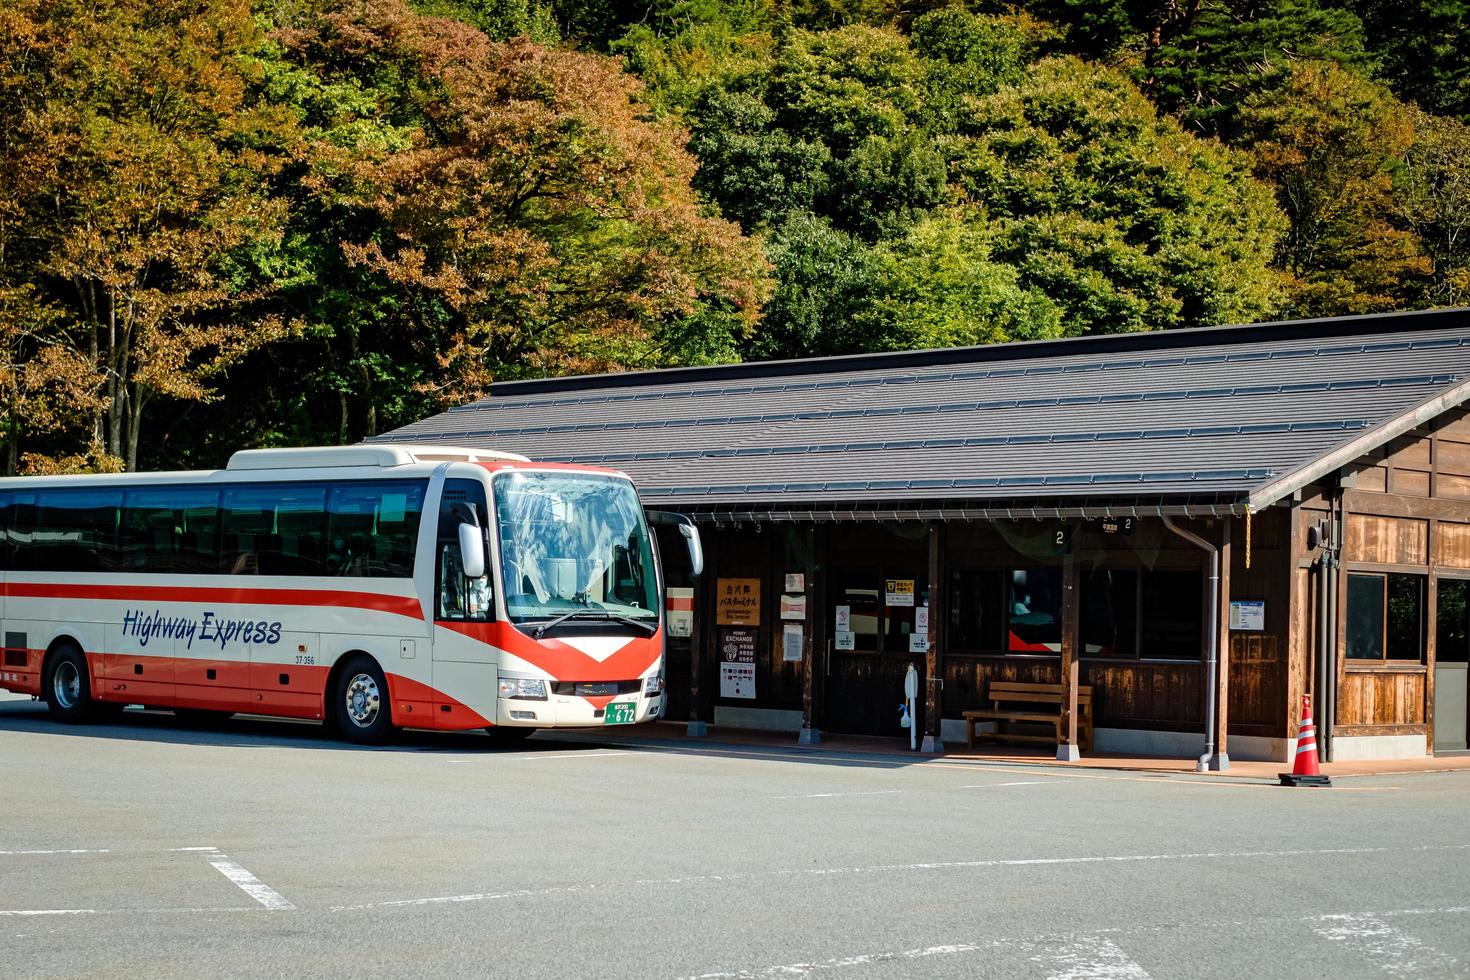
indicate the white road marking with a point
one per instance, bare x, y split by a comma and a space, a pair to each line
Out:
74, 850
1033, 782
590, 754
823, 796
1086, 958
896, 868
841, 962
248, 883
104, 850
1387, 947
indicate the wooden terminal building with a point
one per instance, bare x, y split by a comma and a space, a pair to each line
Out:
1050, 512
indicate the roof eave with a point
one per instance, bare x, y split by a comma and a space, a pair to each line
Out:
1367, 441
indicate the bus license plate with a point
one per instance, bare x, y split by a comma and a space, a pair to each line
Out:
620, 713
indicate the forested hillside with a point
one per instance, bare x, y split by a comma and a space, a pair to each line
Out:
226, 224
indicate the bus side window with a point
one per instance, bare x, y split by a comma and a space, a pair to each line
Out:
459, 597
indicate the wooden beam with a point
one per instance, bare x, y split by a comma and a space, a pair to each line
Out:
810, 734
1393, 505
1067, 751
933, 659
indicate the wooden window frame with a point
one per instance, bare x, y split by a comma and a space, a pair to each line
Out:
1385, 662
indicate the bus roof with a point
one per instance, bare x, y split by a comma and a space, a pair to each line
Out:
320, 462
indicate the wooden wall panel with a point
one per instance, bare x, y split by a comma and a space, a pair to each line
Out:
1452, 545
1125, 694
1410, 483
1381, 697
1452, 456
1452, 487
1386, 540
1258, 685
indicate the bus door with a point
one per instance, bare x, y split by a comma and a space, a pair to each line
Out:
466, 667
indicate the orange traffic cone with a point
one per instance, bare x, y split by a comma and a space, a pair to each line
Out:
1305, 771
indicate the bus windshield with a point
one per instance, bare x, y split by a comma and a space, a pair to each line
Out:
573, 543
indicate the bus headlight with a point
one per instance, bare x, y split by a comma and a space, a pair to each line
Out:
523, 687
653, 685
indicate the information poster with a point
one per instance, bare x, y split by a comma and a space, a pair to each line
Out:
843, 640
793, 607
737, 663
918, 643
921, 619
842, 620
679, 603
738, 602
898, 592
795, 581
1248, 615
791, 644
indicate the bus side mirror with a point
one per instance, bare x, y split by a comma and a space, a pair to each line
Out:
696, 549
472, 550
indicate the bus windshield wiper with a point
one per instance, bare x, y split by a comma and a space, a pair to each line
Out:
594, 614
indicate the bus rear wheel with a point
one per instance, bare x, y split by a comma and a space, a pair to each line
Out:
67, 687
360, 702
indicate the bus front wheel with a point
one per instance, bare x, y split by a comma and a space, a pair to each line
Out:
360, 702
67, 687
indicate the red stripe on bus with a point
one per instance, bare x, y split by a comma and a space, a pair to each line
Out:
562, 661
398, 605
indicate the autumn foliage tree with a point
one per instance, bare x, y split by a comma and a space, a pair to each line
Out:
535, 219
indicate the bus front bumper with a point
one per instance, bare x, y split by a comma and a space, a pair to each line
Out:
565, 711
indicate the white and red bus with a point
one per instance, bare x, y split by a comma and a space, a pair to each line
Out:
371, 586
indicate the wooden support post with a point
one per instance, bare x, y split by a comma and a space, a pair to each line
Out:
810, 734
933, 657
1067, 750
702, 636
1221, 761
1431, 634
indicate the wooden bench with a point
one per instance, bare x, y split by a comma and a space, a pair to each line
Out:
1011, 701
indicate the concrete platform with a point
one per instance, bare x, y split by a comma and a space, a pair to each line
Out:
674, 731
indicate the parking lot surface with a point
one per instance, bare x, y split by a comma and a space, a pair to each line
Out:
149, 847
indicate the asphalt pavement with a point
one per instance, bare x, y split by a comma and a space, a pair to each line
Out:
149, 847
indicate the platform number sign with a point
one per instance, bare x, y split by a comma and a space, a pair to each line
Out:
1061, 540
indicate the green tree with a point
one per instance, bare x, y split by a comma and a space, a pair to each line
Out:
1432, 190
1123, 219
1330, 141
1423, 48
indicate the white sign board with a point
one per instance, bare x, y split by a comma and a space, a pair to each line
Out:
843, 640
918, 643
1248, 615
737, 663
921, 619
793, 607
842, 621
791, 637
795, 581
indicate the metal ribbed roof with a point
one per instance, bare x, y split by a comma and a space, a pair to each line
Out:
1233, 413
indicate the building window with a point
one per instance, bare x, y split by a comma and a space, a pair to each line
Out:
1172, 611
1385, 617
1034, 611
1452, 626
1110, 613
975, 620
